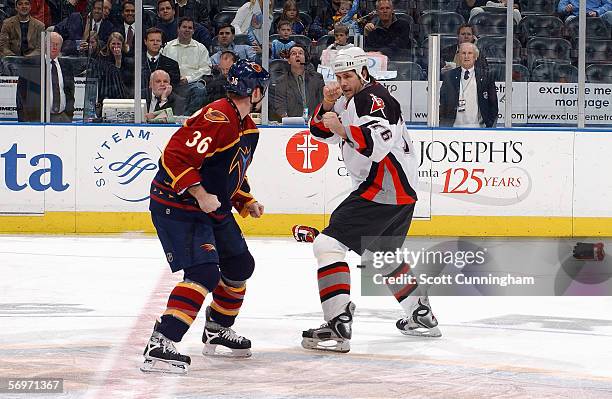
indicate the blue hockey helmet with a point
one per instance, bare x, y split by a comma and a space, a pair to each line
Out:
244, 76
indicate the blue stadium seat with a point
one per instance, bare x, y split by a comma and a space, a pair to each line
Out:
596, 28
487, 23
494, 49
439, 22
406, 70
540, 26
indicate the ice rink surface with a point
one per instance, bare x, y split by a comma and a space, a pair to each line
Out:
82, 309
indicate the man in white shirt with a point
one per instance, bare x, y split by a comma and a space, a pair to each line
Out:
61, 96
468, 97
194, 63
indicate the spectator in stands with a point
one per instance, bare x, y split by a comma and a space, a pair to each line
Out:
450, 54
115, 53
215, 89
70, 6
341, 36
568, 9
71, 29
194, 63
347, 15
468, 97
226, 42
324, 21
41, 11
249, 20
95, 22
197, 10
290, 13
154, 60
465, 7
20, 34
168, 24
516, 13
62, 83
387, 33
127, 28
280, 47
160, 97
298, 91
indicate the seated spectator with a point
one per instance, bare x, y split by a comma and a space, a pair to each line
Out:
249, 19
194, 63
465, 7
154, 60
280, 47
341, 36
215, 89
160, 97
62, 83
450, 54
347, 15
292, 14
468, 96
96, 22
568, 9
41, 11
20, 34
168, 24
386, 33
71, 29
516, 14
115, 53
126, 27
324, 21
197, 10
226, 43
298, 91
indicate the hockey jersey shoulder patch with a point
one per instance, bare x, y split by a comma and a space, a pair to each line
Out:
216, 116
377, 104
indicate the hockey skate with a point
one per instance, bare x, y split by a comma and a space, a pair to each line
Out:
333, 336
422, 322
223, 341
162, 357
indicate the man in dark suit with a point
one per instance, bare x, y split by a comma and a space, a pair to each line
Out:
468, 97
126, 27
74, 29
297, 91
154, 60
61, 98
160, 96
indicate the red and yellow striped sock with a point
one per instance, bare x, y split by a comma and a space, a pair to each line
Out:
226, 303
184, 303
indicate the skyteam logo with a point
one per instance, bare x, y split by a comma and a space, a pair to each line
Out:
125, 164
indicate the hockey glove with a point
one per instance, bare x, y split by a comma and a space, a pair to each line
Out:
304, 233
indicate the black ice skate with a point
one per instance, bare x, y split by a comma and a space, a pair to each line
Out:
162, 357
223, 341
334, 336
422, 322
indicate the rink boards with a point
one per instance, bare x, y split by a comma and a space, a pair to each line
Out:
95, 179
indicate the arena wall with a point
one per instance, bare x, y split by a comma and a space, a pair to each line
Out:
95, 179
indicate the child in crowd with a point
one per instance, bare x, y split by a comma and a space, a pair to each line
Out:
281, 46
347, 15
341, 34
292, 14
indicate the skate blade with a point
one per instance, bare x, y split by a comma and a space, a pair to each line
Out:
154, 366
327, 346
423, 332
221, 351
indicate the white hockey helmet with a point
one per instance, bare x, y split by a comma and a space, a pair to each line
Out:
351, 59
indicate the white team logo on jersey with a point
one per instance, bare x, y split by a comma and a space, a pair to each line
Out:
377, 105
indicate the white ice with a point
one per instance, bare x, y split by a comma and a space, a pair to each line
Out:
82, 309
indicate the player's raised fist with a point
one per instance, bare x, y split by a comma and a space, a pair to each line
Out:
331, 92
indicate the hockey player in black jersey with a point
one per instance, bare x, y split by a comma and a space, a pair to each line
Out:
359, 114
